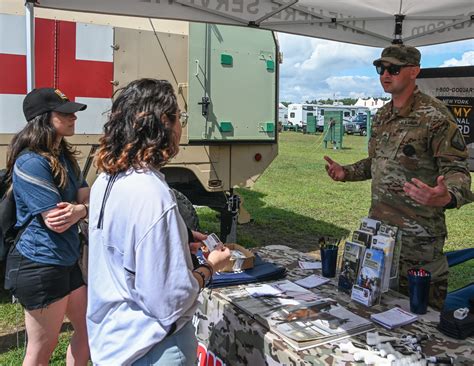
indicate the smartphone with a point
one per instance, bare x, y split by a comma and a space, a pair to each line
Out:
212, 242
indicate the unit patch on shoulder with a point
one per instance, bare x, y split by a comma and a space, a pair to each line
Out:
457, 141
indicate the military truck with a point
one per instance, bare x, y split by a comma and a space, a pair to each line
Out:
226, 79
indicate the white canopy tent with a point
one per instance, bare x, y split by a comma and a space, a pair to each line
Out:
366, 22
369, 22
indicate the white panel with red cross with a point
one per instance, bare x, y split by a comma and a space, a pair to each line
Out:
73, 57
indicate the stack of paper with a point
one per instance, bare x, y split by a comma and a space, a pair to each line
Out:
312, 281
393, 318
309, 265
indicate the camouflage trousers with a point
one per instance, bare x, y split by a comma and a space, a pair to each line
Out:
427, 253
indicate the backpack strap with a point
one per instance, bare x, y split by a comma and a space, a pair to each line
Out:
110, 183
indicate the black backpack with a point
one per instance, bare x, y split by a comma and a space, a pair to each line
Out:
9, 235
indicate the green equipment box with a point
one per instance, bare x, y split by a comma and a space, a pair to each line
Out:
333, 129
232, 84
311, 124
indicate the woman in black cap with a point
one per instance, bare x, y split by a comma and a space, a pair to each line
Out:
51, 197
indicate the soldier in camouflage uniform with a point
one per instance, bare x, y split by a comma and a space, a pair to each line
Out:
418, 165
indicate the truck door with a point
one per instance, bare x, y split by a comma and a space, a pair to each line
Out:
231, 89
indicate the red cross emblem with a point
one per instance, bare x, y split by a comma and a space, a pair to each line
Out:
56, 65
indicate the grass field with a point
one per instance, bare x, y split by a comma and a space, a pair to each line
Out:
294, 203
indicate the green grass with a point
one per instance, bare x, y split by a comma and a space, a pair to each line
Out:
294, 203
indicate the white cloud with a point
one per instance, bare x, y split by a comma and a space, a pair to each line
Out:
320, 69
467, 59
354, 86
449, 48
331, 56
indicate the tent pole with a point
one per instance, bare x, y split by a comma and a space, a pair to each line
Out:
398, 29
30, 44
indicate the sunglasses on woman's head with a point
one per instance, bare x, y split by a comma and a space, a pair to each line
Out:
392, 69
183, 118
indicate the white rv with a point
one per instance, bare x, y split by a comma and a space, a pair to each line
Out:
298, 114
282, 114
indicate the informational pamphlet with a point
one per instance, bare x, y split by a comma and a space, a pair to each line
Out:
300, 317
317, 323
310, 265
351, 258
367, 289
387, 245
394, 318
371, 225
212, 242
312, 281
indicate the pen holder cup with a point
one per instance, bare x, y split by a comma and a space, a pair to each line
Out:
419, 290
328, 261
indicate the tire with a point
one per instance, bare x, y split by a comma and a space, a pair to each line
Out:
363, 133
187, 211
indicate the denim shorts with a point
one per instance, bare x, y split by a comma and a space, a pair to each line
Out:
178, 349
36, 285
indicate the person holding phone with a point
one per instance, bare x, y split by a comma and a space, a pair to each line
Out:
142, 286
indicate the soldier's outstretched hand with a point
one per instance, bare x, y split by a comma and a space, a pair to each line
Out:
437, 196
335, 171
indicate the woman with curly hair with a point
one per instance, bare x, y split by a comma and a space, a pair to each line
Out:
51, 196
142, 285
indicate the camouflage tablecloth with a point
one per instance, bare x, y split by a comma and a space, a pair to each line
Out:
228, 336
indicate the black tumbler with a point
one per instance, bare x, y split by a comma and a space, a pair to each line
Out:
328, 261
419, 289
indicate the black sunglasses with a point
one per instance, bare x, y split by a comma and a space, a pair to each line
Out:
392, 69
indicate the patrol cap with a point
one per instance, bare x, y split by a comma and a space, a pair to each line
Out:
400, 54
43, 100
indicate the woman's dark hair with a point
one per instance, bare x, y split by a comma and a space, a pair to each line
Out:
135, 135
39, 136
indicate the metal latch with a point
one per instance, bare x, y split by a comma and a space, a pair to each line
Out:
204, 106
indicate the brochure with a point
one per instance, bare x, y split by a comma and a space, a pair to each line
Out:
393, 232
309, 265
367, 289
394, 318
387, 245
303, 321
362, 237
312, 281
351, 258
371, 225
212, 242
316, 323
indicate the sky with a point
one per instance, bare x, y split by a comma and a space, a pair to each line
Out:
319, 69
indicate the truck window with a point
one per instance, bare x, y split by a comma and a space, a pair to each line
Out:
292, 115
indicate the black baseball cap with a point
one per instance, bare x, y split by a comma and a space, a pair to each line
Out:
43, 100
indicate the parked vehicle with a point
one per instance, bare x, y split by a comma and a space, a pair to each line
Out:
282, 114
358, 125
298, 114
288, 126
349, 112
88, 56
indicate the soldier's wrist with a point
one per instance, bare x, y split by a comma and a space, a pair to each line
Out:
453, 203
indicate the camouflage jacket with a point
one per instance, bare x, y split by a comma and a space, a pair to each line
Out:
421, 140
